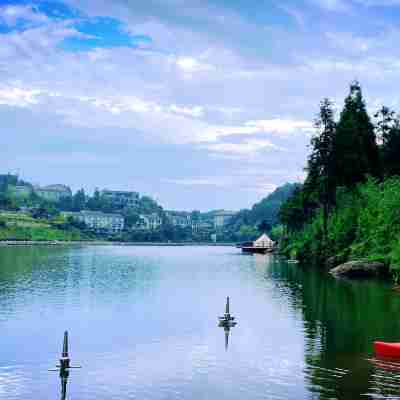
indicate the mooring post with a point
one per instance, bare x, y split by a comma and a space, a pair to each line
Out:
227, 306
65, 360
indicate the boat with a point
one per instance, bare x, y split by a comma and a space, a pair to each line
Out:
262, 245
387, 350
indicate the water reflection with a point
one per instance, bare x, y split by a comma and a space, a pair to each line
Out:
64, 374
341, 320
227, 330
303, 335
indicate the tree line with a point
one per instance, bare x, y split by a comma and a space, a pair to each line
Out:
347, 154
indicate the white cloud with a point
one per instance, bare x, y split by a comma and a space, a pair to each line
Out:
199, 85
19, 97
12, 14
260, 184
280, 126
296, 14
333, 5
244, 148
349, 42
378, 3
195, 112
191, 65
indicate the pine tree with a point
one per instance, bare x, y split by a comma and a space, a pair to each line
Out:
386, 120
388, 129
355, 147
321, 161
79, 200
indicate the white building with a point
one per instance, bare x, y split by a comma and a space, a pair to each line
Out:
221, 218
121, 198
181, 220
53, 192
99, 221
150, 221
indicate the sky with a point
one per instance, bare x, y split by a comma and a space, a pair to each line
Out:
201, 104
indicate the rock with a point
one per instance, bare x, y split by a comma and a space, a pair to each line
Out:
354, 269
332, 262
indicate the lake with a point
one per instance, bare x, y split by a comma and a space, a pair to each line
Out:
142, 323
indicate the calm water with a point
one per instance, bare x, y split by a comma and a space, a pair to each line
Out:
143, 325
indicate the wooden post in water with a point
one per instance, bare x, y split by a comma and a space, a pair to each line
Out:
65, 360
227, 306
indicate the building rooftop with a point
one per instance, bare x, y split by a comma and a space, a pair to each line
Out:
100, 214
55, 188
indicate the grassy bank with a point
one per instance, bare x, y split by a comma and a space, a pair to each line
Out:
365, 224
16, 226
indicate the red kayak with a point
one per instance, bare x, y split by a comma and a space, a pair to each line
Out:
387, 350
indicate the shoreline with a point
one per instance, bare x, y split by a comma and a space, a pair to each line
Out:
6, 243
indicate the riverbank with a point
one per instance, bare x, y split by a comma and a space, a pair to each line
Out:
105, 243
363, 226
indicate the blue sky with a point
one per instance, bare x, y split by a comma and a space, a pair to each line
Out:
200, 104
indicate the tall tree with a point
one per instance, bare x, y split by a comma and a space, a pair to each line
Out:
79, 200
388, 129
356, 150
95, 202
385, 122
321, 166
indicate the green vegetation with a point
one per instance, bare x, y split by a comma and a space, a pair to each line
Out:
16, 226
349, 205
247, 225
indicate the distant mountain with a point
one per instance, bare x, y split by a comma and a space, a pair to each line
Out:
267, 209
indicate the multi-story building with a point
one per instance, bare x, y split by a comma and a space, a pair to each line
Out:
121, 198
202, 226
221, 218
182, 220
53, 192
150, 221
98, 221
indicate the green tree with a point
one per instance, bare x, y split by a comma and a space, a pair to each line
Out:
388, 129
321, 168
355, 147
147, 205
264, 226
95, 202
79, 200
385, 122
131, 219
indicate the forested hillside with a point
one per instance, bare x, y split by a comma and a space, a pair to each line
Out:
247, 224
349, 205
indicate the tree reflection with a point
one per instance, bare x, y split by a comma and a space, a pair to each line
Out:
341, 320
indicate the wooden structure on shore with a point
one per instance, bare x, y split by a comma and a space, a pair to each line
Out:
262, 245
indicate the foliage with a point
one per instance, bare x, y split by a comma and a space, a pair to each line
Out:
364, 225
355, 147
79, 200
345, 209
248, 224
